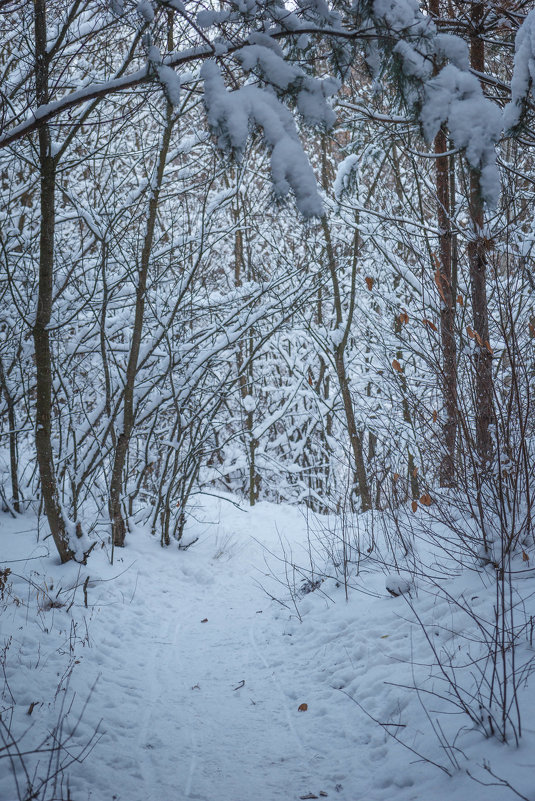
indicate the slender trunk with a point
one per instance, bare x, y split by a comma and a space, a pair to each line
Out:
245, 376
444, 283
412, 470
11, 418
118, 523
484, 413
43, 359
355, 437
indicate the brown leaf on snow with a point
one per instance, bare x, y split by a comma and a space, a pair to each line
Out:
414, 506
369, 282
397, 366
303, 708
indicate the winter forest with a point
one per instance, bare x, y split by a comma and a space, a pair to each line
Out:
267, 364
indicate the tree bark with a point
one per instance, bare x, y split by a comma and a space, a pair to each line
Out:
118, 523
43, 359
445, 287
484, 412
355, 437
13, 460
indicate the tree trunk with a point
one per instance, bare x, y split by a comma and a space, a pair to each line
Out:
444, 282
43, 360
355, 437
118, 523
245, 375
11, 418
484, 413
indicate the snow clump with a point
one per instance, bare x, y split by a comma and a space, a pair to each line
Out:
523, 71
231, 116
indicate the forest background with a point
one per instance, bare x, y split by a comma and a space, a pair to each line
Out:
173, 321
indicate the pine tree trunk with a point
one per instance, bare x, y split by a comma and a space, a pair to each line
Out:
447, 313
484, 413
444, 283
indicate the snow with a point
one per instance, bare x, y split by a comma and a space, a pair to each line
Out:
523, 71
451, 47
311, 93
230, 115
249, 403
145, 10
345, 173
475, 123
397, 585
192, 676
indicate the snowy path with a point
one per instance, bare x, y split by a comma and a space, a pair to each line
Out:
191, 730
210, 710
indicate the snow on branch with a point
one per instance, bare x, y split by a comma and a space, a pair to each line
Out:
310, 93
523, 72
231, 115
440, 93
168, 78
455, 97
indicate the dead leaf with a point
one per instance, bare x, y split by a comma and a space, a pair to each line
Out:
426, 500
435, 416
414, 506
397, 366
429, 324
439, 278
403, 318
470, 332
205, 620
525, 557
302, 707
396, 476
460, 300
369, 282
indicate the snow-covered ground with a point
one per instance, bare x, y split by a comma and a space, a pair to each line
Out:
183, 679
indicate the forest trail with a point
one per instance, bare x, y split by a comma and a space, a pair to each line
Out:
193, 676
199, 699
